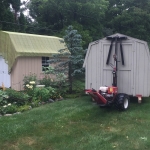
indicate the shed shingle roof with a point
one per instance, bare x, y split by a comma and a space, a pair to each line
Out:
13, 45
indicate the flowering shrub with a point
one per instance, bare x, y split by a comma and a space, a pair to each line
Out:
9, 108
30, 87
19, 98
29, 81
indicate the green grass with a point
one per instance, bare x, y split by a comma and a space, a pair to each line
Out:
77, 124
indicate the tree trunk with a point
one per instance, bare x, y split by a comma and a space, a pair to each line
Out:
70, 77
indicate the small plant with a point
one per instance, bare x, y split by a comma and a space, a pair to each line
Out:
24, 108
42, 94
3, 98
46, 80
29, 81
9, 108
19, 98
61, 83
30, 87
35, 102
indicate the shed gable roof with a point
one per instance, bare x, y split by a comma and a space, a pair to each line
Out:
14, 44
105, 38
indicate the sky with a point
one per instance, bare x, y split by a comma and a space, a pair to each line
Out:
26, 13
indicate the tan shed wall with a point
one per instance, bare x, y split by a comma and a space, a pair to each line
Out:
25, 66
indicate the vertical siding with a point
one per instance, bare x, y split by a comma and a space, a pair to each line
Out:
4, 76
107, 69
125, 77
142, 71
91, 76
132, 78
93, 66
25, 66
99, 64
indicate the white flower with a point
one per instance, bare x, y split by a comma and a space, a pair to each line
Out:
27, 85
30, 87
4, 106
32, 82
9, 104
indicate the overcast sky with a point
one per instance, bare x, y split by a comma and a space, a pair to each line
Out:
27, 11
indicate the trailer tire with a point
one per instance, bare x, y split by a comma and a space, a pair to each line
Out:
122, 101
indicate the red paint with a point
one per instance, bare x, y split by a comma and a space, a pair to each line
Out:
97, 97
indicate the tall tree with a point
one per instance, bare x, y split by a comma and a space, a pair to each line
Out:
16, 7
73, 65
131, 17
56, 15
6, 16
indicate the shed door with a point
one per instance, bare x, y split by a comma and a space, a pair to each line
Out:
4, 76
124, 73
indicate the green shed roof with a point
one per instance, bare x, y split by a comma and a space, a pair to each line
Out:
13, 45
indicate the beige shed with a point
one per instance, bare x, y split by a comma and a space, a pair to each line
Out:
132, 76
22, 54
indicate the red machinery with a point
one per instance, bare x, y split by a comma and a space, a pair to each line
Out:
107, 96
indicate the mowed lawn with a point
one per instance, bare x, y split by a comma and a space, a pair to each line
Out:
77, 124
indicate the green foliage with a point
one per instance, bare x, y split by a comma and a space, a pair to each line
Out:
77, 124
59, 81
73, 65
24, 108
3, 98
35, 102
53, 16
42, 94
8, 108
46, 80
29, 78
126, 17
29, 83
19, 98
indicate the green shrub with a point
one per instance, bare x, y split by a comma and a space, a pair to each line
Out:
19, 98
3, 98
42, 94
29, 83
24, 108
2, 110
9, 108
47, 81
28, 78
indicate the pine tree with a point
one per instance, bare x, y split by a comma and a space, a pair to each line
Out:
73, 65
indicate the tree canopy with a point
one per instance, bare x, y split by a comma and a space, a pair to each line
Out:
93, 19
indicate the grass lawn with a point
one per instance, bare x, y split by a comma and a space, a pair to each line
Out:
77, 124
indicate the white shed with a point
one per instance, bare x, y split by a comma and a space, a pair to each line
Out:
4, 75
132, 75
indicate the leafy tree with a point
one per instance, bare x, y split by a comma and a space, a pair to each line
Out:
22, 22
16, 6
130, 17
85, 15
6, 16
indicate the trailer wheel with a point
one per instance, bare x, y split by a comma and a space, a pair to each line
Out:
122, 101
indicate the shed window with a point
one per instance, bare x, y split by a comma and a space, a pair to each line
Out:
44, 62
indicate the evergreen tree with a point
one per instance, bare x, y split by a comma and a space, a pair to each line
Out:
73, 65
